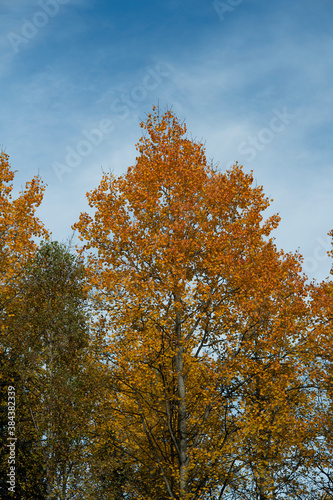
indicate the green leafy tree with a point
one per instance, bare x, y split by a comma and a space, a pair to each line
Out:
48, 341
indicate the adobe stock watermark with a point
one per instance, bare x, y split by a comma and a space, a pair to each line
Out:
121, 107
130, 100
11, 405
277, 124
225, 7
320, 254
30, 27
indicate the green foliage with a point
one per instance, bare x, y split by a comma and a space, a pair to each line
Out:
46, 341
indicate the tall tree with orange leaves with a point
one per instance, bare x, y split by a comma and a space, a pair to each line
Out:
18, 226
204, 317
320, 356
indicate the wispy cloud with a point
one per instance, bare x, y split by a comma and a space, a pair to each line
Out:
98, 61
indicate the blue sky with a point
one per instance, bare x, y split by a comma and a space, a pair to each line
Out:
253, 79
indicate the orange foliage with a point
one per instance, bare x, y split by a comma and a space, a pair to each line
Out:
18, 225
205, 320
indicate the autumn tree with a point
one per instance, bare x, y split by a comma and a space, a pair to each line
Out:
19, 226
204, 318
320, 358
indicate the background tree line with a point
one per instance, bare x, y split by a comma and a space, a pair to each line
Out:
178, 355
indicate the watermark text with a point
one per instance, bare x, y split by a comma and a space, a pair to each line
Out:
11, 405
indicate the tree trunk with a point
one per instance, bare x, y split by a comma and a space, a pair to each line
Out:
182, 444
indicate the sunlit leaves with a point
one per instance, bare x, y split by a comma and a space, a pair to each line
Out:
205, 317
